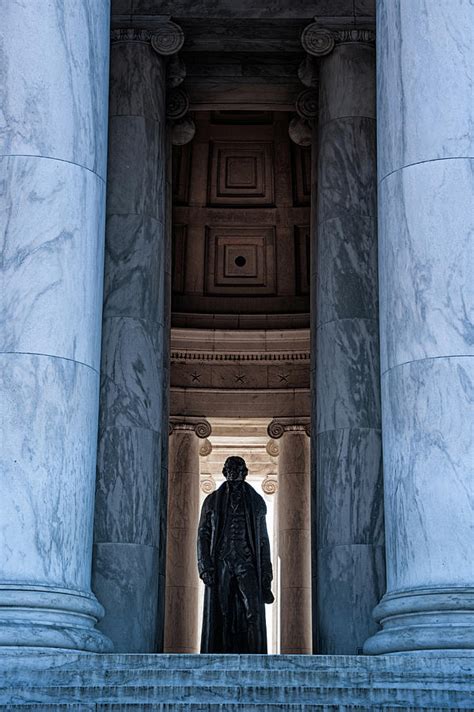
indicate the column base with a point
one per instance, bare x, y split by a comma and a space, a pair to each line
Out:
424, 619
47, 617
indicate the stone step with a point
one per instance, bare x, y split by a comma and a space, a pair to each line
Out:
46, 680
233, 694
239, 707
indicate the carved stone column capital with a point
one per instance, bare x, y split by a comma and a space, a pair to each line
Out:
279, 426
307, 104
183, 127
272, 448
206, 448
167, 39
177, 104
318, 41
200, 426
130, 34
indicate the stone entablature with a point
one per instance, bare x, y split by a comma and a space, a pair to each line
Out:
253, 360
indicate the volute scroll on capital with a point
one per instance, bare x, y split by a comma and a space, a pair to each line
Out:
277, 428
167, 39
319, 41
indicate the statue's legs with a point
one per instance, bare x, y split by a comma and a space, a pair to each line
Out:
240, 603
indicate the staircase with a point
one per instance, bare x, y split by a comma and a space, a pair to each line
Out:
46, 680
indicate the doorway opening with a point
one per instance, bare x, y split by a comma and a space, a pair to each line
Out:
240, 323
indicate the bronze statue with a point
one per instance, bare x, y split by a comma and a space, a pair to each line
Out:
234, 563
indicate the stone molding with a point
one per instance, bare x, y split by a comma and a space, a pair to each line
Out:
438, 618
278, 427
319, 41
201, 427
206, 356
240, 345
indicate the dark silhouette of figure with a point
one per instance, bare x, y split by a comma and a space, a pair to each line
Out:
234, 563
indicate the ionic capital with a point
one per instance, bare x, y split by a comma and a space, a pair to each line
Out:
279, 426
307, 104
206, 448
319, 41
200, 426
166, 39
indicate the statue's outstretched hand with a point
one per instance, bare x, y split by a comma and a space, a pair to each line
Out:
207, 578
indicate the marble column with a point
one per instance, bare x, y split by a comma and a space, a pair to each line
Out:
294, 536
347, 470
53, 144
182, 580
426, 224
130, 515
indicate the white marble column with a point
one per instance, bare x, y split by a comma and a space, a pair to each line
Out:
182, 580
294, 536
130, 517
426, 226
347, 469
53, 143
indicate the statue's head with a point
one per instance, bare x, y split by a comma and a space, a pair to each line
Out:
235, 469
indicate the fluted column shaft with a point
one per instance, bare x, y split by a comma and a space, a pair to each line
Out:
347, 470
53, 142
182, 580
426, 199
130, 518
294, 537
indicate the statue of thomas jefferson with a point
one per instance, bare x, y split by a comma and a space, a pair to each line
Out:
234, 563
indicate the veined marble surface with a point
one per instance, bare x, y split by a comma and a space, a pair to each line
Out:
426, 222
135, 184
425, 93
348, 566
426, 227
349, 281
132, 373
53, 140
349, 484
51, 219
135, 65
61, 111
125, 514
134, 283
47, 473
347, 167
347, 375
126, 579
350, 89
428, 440
130, 512
354, 579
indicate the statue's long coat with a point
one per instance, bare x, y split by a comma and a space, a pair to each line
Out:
211, 527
